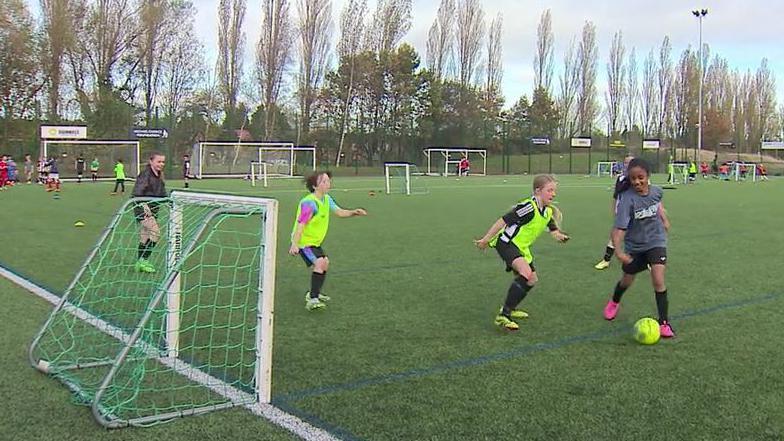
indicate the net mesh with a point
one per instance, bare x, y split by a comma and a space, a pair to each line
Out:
218, 258
107, 155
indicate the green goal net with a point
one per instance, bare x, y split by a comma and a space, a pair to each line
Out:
187, 331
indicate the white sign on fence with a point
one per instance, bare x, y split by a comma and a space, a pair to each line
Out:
651, 144
63, 132
772, 145
582, 142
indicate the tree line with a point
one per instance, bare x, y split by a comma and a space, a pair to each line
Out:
348, 82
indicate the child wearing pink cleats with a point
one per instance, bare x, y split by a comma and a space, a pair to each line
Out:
641, 225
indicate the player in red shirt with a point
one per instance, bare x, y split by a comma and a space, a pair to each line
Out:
3, 172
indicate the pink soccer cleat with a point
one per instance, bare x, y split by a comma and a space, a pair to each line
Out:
611, 310
665, 330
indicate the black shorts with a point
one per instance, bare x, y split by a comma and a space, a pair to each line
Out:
509, 252
310, 254
641, 261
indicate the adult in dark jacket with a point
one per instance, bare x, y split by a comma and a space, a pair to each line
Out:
149, 183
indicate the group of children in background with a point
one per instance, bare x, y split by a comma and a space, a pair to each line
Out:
48, 173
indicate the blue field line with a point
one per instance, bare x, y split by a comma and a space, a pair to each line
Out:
515, 353
315, 421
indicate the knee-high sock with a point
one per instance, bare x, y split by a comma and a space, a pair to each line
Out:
316, 282
517, 292
662, 304
619, 290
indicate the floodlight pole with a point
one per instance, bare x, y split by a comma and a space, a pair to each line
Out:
700, 14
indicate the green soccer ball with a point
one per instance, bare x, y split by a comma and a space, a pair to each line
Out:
646, 331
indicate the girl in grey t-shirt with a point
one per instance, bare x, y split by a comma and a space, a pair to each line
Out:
641, 224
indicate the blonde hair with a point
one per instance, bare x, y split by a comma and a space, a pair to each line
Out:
541, 180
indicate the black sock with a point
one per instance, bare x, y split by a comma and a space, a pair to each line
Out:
316, 282
662, 304
517, 292
608, 253
148, 250
186, 184
143, 248
619, 290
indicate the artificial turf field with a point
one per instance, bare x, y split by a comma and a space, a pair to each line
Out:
407, 348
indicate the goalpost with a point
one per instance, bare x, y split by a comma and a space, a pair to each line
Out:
403, 177
745, 170
193, 337
443, 161
605, 168
107, 152
234, 159
678, 173
258, 171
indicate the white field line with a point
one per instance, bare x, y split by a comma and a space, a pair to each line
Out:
289, 422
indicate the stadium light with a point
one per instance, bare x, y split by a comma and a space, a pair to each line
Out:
700, 13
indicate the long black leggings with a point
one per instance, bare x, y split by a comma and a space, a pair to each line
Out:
119, 183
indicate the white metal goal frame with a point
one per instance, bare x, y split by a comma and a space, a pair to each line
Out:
64, 175
445, 153
258, 171
170, 294
678, 173
600, 169
750, 173
262, 148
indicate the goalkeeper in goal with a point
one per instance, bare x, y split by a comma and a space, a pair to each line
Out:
150, 183
310, 229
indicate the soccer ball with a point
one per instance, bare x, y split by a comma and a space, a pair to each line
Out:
646, 331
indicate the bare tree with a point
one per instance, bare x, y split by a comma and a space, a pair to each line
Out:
157, 25
110, 35
350, 43
649, 98
391, 22
616, 81
231, 44
765, 84
495, 71
664, 75
632, 91
273, 54
587, 57
183, 67
20, 79
440, 39
568, 81
470, 33
57, 26
314, 23
543, 57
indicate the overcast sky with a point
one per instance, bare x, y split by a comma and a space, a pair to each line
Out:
742, 31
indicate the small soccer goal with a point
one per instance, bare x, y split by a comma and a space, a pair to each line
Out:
234, 159
744, 171
141, 346
258, 172
677, 173
605, 168
445, 161
106, 152
404, 178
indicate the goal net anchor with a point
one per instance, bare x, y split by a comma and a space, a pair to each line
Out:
144, 348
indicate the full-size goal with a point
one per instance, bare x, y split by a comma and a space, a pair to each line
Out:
106, 152
234, 159
444, 161
194, 336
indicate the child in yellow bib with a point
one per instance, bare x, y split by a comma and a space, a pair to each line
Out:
310, 229
512, 236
